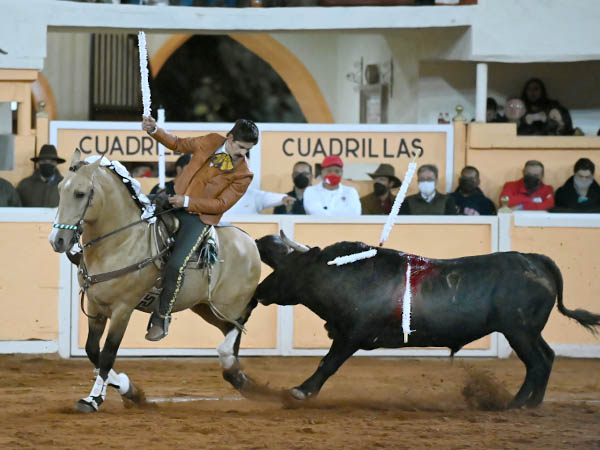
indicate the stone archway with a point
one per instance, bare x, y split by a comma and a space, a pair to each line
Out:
301, 83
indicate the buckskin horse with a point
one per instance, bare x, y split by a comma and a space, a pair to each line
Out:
117, 270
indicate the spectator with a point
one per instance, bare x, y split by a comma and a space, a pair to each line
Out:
529, 193
331, 197
8, 194
302, 178
538, 106
535, 97
492, 115
580, 193
469, 199
559, 122
380, 201
428, 201
255, 200
514, 110
41, 188
181, 162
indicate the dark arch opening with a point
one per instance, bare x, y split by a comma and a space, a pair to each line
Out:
215, 79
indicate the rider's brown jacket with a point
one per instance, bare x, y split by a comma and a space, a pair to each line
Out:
211, 190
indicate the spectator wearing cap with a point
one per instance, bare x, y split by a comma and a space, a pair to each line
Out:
428, 201
469, 199
181, 162
380, 201
8, 194
580, 193
41, 188
331, 197
302, 178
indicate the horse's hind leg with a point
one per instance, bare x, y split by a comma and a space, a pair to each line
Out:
228, 349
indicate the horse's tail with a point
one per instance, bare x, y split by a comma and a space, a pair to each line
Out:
586, 318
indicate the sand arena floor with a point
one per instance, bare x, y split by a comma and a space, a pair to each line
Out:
370, 403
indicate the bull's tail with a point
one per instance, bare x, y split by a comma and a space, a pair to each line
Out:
584, 317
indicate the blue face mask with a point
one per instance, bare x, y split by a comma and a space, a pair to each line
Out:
427, 187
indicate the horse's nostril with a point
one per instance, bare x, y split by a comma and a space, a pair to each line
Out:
60, 242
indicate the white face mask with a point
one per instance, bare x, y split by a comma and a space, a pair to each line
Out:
582, 184
427, 187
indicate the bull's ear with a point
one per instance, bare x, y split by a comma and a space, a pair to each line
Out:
75, 159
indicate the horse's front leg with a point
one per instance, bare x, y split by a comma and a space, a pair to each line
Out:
104, 361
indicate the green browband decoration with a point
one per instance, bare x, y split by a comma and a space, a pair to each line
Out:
65, 227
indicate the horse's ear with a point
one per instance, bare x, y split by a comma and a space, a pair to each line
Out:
75, 159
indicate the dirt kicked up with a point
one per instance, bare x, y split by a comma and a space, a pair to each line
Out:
370, 403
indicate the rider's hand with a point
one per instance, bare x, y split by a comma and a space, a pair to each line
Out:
177, 200
148, 124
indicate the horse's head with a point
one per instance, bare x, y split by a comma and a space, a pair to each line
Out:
78, 203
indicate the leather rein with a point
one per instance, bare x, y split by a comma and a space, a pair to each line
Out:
89, 280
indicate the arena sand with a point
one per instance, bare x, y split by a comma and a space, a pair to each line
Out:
370, 403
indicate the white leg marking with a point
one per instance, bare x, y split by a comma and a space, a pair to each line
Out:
120, 381
225, 349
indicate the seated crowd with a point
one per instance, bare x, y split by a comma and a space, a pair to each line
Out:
330, 197
534, 113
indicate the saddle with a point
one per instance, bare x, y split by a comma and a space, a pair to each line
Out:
162, 235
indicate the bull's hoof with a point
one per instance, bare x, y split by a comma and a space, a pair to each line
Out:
86, 406
298, 394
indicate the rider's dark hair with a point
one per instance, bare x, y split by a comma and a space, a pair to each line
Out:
244, 130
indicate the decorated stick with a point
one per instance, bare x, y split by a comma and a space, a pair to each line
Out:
161, 151
144, 73
406, 305
341, 260
412, 167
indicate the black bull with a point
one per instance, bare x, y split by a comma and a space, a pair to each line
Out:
454, 302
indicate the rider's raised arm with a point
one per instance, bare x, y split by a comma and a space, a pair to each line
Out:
225, 200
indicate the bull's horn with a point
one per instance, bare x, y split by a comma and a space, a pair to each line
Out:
294, 245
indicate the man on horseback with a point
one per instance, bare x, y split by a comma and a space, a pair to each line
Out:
214, 180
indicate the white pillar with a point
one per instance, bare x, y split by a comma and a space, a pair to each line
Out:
481, 92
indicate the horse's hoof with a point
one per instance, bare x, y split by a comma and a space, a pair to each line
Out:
85, 406
298, 394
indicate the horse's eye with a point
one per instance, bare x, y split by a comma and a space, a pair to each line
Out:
79, 194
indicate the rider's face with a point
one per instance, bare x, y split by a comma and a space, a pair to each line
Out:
237, 149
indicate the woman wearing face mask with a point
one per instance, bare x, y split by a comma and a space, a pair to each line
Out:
331, 197
580, 193
41, 188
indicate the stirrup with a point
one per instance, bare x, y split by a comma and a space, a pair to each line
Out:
154, 325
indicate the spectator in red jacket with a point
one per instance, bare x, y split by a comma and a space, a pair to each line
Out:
529, 193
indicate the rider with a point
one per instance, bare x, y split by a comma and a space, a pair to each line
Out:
214, 180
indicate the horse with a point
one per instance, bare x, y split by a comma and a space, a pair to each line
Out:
117, 270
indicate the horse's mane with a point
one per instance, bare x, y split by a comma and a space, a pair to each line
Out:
123, 175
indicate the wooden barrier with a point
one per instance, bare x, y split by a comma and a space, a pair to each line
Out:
40, 292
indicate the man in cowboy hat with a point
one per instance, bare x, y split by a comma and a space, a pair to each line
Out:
41, 188
216, 177
380, 201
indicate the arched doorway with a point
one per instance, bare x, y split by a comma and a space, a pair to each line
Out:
267, 83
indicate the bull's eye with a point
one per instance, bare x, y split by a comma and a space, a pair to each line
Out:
79, 194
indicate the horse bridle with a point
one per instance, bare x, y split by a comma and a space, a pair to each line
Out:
78, 228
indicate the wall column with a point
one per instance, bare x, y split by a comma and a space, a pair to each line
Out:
481, 92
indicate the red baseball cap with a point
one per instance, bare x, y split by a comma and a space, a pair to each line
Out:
332, 161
